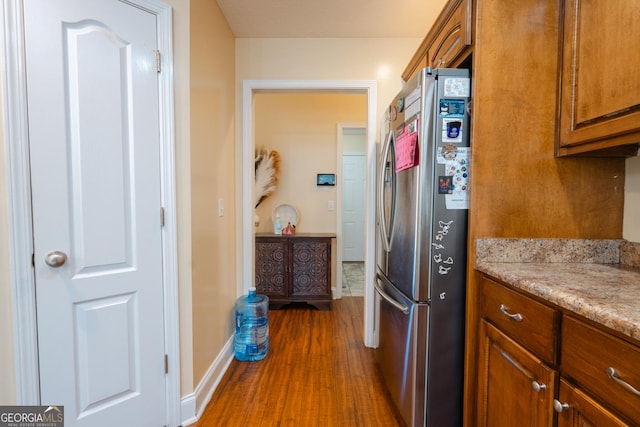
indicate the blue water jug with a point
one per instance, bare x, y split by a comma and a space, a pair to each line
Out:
251, 341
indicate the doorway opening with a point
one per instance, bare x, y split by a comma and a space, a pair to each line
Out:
247, 147
351, 165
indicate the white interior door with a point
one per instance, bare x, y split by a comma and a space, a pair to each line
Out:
95, 162
353, 206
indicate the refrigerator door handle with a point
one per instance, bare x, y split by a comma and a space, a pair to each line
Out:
383, 169
403, 308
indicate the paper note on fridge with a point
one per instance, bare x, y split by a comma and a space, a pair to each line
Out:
407, 153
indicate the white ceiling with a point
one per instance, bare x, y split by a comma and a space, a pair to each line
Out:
330, 18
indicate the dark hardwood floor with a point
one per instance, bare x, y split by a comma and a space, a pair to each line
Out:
317, 373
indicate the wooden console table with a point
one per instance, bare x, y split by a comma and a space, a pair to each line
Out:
294, 268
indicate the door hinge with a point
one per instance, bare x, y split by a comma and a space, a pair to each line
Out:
158, 62
33, 260
161, 217
166, 363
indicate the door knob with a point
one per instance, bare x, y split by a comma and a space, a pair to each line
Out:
55, 259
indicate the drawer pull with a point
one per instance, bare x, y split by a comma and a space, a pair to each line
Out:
538, 387
559, 407
613, 374
504, 309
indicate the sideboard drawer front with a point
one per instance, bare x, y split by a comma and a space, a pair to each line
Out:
527, 321
587, 355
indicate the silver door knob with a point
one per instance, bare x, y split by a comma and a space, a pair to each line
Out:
55, 259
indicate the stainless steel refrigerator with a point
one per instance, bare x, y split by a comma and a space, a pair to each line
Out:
422, 202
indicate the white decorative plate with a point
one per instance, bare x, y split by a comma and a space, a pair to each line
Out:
287, 214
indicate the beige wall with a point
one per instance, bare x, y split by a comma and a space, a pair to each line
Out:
631, 224
382, 60
212, 174
302, 128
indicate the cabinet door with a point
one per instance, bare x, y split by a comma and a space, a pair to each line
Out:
453, 38
600, 104
514, 386
605, 366
577, 409
447, 39
311, 267
272, 266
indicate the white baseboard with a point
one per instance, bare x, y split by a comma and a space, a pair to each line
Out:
190, 411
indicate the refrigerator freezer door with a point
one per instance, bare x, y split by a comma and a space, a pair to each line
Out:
402, 353
412, 195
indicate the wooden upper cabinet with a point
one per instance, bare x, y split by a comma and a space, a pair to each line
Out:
452, 39
448, 38
600, 85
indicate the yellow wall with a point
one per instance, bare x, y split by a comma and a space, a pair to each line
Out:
302, 128
212, 159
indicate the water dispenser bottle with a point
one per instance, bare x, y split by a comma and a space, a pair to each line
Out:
252, 327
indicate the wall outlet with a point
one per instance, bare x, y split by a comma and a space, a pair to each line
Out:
220, 207
331, 205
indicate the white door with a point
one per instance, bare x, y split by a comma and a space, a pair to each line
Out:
353, 191
95, 162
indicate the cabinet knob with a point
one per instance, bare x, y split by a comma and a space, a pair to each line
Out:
537, 387
559, 407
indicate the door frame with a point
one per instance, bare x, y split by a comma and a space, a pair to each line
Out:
16, 137
340, 128
245, 132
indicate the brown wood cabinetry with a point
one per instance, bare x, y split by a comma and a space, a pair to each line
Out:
600, 88
599, 373
602, 365
445, 43
532, 324
513, 383
577, 409
295, 268
514, 134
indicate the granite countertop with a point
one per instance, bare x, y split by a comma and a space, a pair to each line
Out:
597, 279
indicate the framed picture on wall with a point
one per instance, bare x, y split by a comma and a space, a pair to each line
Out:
326, 179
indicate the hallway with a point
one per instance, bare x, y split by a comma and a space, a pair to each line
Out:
317, 373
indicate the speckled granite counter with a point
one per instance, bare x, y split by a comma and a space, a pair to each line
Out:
582, 276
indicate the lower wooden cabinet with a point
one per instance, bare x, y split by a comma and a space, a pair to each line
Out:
294, 268
515, 387
540, 365
577, 409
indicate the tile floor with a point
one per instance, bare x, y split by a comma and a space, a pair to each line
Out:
353, 279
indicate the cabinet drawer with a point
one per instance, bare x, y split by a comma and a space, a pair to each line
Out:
532, 324
587, 356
